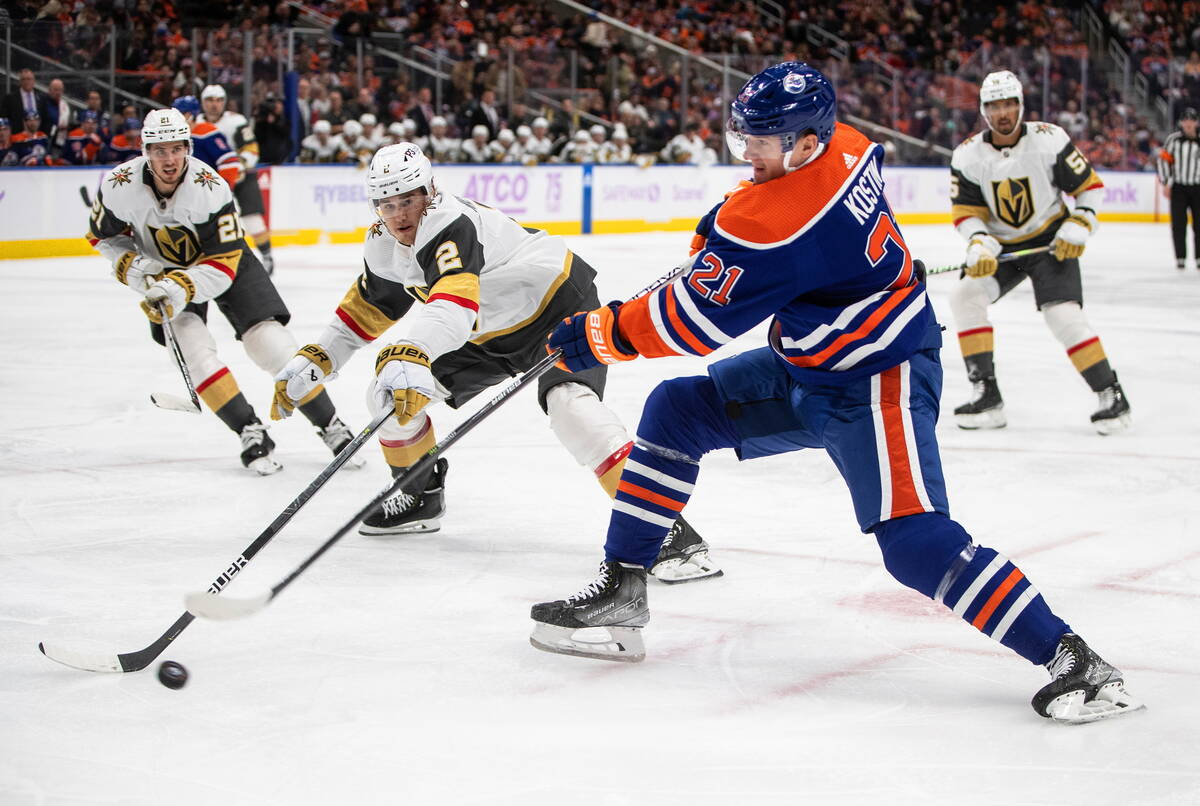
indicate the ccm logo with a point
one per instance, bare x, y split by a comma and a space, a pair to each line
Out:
597, 338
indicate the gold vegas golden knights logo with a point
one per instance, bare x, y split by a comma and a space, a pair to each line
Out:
178, 245
1014, 200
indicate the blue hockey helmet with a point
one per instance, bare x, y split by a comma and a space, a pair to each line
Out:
188, 105
785, 101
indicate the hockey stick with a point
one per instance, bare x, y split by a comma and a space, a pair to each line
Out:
87, 199
1005, 258
135, 661
205, 605
165, 400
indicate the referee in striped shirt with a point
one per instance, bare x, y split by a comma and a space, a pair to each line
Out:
1179, 171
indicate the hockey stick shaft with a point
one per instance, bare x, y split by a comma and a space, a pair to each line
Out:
1004, 258
169, 336
226, 608
140, 659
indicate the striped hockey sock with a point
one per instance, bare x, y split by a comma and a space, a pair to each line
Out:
987, 591
654, 488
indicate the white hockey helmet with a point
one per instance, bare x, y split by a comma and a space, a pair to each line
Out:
438, 120
997, 87
352, 129
322, 127
479, 130
524, 131
166, 126
397, 169
396, 129
367, 120
506, 136
212, 91
540, 123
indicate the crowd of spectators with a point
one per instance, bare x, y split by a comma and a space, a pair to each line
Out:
1162, 37
600, 94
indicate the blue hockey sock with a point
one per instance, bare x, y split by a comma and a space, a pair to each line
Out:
995, 597
654, 488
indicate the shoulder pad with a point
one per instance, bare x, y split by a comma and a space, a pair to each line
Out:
779, 211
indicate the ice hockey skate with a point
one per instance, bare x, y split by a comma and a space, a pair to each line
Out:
1114, 414
410, 513
1085, 688
257, 447
985, 409
683, 557
336, 435
604, 620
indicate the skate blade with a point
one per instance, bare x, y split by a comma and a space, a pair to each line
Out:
622, 644
992, 418
691, 569
1113, 425
265, 466
414, 528
1073, 708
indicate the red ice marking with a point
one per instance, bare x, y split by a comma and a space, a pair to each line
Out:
1142, 573
1066, 541
799, 556
904, 603
867, 665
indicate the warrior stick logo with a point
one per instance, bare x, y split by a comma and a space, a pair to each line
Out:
1013, 199
178, 245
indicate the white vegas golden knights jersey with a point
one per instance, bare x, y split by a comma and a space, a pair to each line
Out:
197, 227
1017, 190
503, 286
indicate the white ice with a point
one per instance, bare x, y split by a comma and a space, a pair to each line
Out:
399, 671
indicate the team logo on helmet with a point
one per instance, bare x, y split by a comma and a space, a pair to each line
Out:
794, 83
178, 245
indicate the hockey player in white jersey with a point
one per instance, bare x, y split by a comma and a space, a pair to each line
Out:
167, 223
473, 294
439, 145
1007, 185
240, 135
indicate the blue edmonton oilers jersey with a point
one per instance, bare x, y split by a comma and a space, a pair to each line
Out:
820, 252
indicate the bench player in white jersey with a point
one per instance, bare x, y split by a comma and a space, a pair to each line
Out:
240, 134
1006, 194
474, 294
168, 224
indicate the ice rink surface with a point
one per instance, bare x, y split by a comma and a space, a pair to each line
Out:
398, 671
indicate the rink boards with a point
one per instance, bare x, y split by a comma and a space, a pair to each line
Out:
43, 211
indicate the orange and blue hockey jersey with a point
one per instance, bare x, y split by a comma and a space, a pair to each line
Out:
210, 147
817, 249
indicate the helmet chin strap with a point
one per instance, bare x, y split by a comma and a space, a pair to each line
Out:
787, 159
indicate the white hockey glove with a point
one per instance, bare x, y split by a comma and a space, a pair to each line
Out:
982, 251
403, 380
1072, 236
300, 377
174, 291
138, 271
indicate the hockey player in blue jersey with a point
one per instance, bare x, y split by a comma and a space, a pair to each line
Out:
208, 144
852, 366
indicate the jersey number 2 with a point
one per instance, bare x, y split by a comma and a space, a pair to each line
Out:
885, 230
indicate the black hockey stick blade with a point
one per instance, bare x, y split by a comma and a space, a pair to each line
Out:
83, 193
136, 661
1037, 250
170, 402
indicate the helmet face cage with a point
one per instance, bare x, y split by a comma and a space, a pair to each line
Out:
781, 104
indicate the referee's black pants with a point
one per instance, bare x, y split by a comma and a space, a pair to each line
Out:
1183, 199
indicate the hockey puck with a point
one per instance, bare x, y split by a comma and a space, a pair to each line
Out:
172, 674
